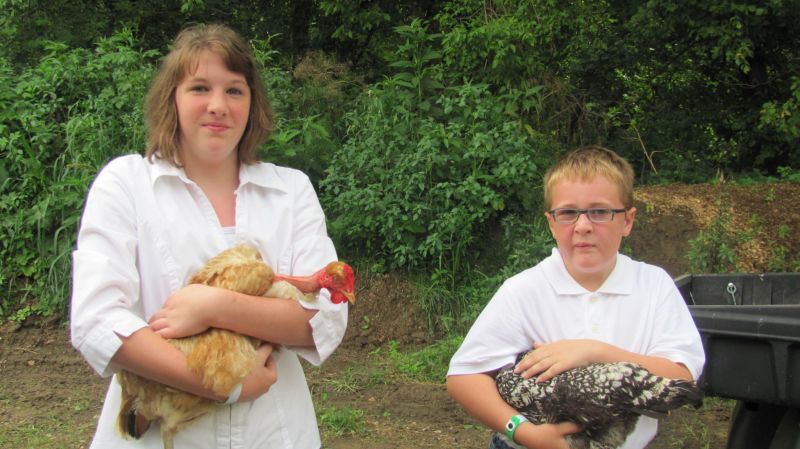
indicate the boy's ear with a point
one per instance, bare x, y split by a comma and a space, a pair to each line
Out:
550, 222
630, 215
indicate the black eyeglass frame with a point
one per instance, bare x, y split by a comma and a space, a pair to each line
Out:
553, 213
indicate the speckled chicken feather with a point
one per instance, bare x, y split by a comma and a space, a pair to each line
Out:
606, 399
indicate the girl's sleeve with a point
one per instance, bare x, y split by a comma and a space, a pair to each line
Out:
312, 249
105, 279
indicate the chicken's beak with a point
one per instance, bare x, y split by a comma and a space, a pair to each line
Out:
351, 297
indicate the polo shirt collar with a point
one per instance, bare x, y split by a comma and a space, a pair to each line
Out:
619, 282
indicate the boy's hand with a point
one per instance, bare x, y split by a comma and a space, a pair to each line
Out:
546, 436
551, 359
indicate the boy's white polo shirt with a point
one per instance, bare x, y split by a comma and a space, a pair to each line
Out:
638, 308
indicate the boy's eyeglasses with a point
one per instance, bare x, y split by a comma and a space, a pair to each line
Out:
595, 215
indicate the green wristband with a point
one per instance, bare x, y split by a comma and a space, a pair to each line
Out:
512, 424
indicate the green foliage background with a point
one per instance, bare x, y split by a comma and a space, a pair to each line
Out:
425, 125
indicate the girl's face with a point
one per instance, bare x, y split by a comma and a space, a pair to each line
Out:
213, 106
589, 250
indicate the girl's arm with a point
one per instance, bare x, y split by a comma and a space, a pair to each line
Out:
147, 354
314, 333
195, 308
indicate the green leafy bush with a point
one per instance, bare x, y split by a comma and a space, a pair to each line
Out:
416, 190
426, 168
427, 173
60, 121
309, 104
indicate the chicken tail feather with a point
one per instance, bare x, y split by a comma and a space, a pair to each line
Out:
130, 423
674, 393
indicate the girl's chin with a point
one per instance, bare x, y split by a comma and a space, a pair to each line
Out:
214, 156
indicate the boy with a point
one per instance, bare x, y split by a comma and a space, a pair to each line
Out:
585, 303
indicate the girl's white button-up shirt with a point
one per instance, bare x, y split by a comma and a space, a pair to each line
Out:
146, 228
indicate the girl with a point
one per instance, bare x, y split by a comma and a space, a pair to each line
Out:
150, 222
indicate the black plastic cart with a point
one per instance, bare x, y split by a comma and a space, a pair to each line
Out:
750, 325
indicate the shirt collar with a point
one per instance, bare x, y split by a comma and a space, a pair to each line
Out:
160, 167
261, 174
619, 282
621, 279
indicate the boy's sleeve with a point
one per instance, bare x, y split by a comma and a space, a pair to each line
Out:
495, 338
678, 337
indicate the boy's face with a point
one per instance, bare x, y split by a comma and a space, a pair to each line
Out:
589, 250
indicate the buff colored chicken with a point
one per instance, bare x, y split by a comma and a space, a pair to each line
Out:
221, 358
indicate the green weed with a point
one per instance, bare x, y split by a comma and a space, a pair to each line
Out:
341, 421
713, 250
428, 364
355, 380
780, 259
370, 373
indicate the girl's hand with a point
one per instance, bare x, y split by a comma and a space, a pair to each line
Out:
551, 359
263, 375
187, 312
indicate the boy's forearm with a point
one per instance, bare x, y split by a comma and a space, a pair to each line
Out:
663, 367
477, 393
659, 366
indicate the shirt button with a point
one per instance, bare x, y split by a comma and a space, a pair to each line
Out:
593, 299
595, 329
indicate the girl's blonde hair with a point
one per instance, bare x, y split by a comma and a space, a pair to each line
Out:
585, 164
161, 112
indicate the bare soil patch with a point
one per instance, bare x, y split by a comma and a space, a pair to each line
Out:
50, 398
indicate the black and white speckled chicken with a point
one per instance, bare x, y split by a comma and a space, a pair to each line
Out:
605, 399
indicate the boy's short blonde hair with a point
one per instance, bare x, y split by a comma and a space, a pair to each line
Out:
161, 112
586, 163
